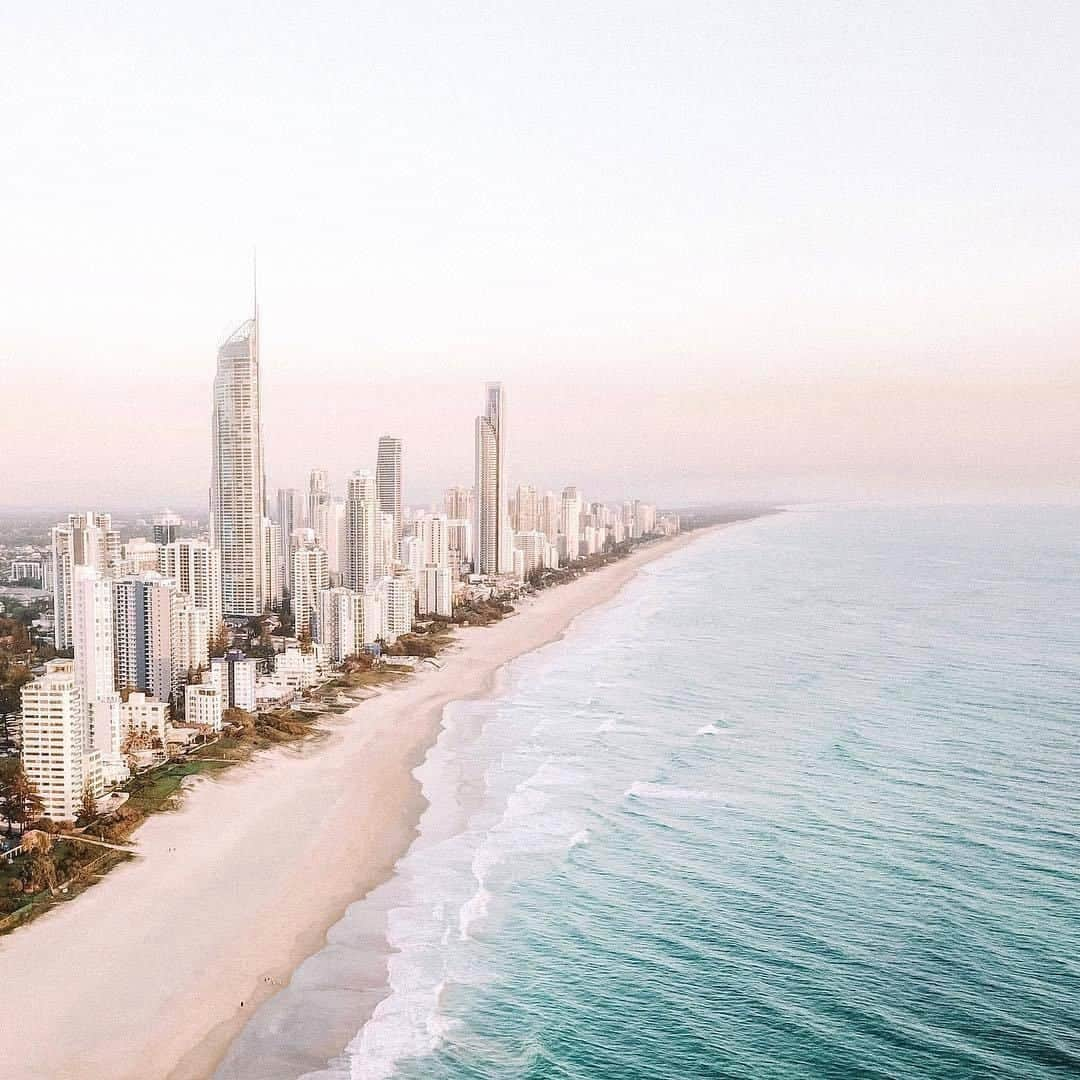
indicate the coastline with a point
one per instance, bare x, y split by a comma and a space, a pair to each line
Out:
154, 962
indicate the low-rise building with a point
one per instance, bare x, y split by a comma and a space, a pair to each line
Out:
203, 705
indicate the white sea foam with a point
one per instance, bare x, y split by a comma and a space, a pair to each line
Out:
708, 729
662, 791
579, 838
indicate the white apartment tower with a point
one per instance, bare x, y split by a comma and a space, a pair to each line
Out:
195, 566
571, 521
361, 520
459, 503
340, 623
290, 517
237, 488
310, 576
54, 752
86, 540
491, 536
93, 636
526, 509
151, 654
388, 480
318, 504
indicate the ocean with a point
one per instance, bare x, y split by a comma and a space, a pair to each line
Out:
802, 802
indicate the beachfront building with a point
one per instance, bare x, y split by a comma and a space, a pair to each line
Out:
551, 517
339, 621
151, 654
388, 481
237, 488
85, 540
235, 675
361, 513
144, 715
195, 566
310, 576
93, 643
203, 705
494, 553
296, 669
534, 549
397, 599
435, 591
54, 752
571, 524
526, 509
460, 541
644, 518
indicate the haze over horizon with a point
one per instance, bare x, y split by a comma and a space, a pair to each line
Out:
768, 253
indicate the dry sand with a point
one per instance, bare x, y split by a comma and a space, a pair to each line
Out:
143, 976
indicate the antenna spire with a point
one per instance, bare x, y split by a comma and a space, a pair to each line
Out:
255, 281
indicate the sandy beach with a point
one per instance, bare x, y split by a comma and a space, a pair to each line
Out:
155, 970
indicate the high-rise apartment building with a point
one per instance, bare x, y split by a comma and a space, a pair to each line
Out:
54, 752
290, 517
151, 655
458, 502
397, 597
235, 676
571, 522
318, 504
526, 509
237, 487
195, 566
85, 540
361, 514
491, 536
310, 576
166, 526
388, 480
93, 642
551, 517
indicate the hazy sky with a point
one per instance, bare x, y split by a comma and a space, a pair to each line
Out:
713, 249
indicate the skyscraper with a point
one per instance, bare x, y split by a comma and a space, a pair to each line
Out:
92, 615
237, 487
388, 480
290, 517
318, 504
491, 537
55, 754
526, 509
459, 503
165, 527
86, 540
361, 519
310, 576
195, 566
150, 653
571, 518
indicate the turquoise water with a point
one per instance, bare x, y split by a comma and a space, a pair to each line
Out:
803, 802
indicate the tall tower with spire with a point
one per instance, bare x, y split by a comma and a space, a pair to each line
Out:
492, 539
237, 484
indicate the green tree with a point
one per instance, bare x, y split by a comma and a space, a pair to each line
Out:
88, 805
19, 799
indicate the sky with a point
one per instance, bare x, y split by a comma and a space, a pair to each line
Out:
713, 250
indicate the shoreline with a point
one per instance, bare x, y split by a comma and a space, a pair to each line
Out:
278, 832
